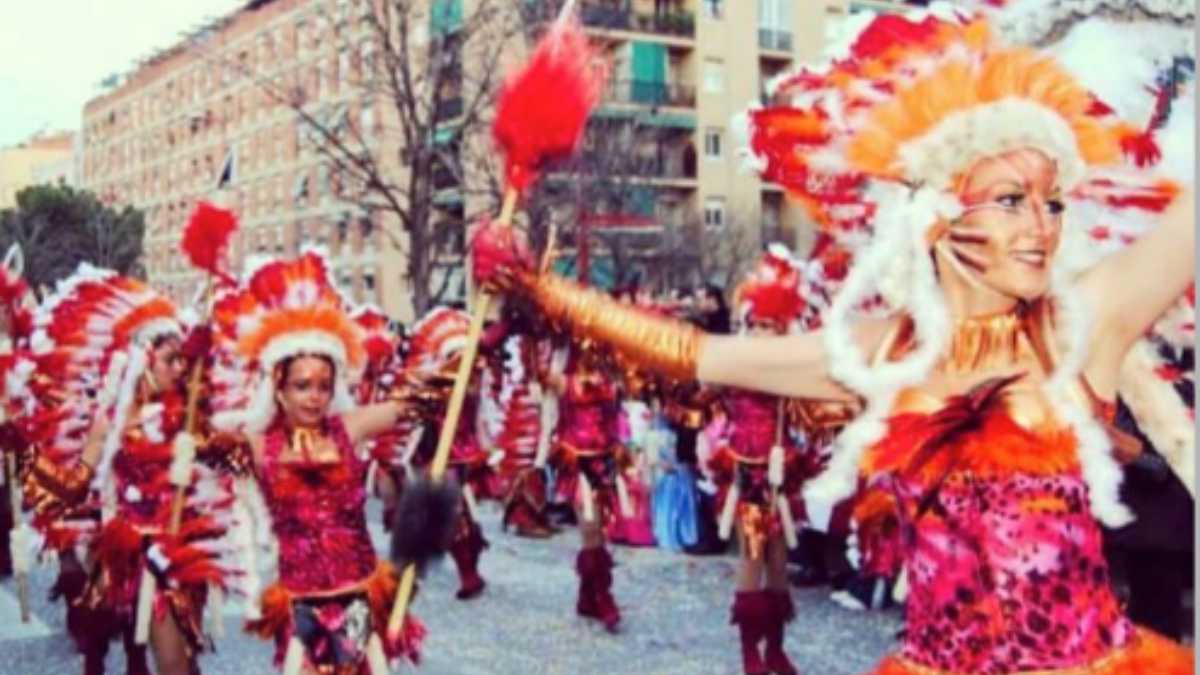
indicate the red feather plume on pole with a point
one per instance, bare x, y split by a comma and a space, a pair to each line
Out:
544, 106
206, 238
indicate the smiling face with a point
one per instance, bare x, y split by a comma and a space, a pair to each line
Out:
1006, 240
305, 390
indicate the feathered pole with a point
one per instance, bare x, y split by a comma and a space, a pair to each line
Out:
541, 115
205, 242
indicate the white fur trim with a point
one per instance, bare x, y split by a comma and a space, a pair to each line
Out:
183, 452
303, 342
112, 441
935, 157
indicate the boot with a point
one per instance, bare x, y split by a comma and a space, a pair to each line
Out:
594, 566
780, 612
466, 551
94, 654
751, 614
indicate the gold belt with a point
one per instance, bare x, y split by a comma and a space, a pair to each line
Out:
580, 452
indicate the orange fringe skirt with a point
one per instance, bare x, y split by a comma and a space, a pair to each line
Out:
1148, 654
379, 590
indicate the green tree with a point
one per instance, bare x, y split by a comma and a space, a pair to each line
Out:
59, 227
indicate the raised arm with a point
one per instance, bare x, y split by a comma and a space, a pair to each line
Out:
1132, 288
788, 366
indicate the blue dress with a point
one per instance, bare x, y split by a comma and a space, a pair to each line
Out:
675, 500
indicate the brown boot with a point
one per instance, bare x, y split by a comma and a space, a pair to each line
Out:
751, 613
781, 612
526, 522
466, 550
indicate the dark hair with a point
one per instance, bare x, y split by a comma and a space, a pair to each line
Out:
716, 321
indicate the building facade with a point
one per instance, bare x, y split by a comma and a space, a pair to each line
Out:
205, 120
47, 158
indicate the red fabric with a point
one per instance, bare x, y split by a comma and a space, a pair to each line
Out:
544, 107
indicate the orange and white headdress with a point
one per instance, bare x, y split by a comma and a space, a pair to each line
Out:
286, 309
872, 143
95, 335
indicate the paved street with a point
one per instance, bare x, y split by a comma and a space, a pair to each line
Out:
676, 612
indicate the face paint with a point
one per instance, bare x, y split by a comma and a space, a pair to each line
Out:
1011, 225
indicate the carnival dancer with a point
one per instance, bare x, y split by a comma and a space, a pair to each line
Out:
757, 469
101, 331
510, 419
434, 352
589, 460
988, 392
328, 611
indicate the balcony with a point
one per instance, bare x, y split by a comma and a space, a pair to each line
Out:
651, 93
611, 16
775, 40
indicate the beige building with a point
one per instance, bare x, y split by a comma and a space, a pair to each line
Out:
41, 159
195, 122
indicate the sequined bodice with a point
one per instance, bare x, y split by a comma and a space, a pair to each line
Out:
753, 422
588, 414
318, 514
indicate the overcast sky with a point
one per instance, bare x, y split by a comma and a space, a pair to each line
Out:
54, 53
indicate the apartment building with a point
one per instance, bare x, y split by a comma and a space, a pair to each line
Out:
45, 158
203, 120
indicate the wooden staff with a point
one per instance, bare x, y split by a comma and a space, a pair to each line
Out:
458, 395
195, 380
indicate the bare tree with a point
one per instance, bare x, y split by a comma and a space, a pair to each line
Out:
416, 82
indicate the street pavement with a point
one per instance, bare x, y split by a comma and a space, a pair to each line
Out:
675, 608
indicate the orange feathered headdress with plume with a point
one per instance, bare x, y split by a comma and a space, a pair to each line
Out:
288, 308
285, 309
916, 99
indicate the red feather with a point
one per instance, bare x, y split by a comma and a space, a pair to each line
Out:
207, 237
544, 106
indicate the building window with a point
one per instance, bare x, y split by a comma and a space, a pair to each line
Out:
712, 143
714, 76
368, 279
714, 211
713, 9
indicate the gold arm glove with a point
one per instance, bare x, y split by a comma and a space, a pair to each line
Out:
666, 346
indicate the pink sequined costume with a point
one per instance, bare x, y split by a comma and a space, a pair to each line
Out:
589, 459
333, 592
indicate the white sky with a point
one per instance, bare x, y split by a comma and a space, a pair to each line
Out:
54, 53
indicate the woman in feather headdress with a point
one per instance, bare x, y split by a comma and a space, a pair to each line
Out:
116, 349
971, 170
297, 350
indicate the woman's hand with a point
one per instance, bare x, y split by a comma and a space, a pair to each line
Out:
499, 254
93, 447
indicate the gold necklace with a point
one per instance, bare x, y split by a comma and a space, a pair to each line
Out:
985, 343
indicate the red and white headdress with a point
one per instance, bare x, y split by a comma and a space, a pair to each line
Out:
379, 342
872, 143
770, 293
94, 335
436, 340
285, 309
